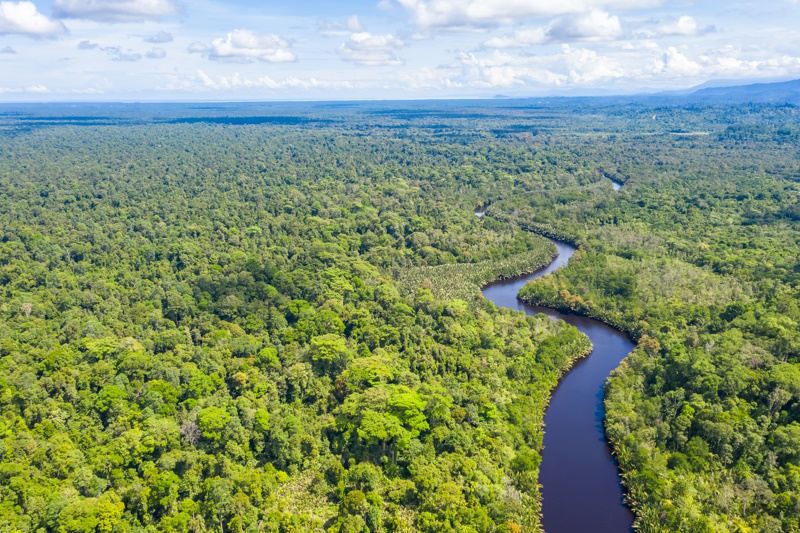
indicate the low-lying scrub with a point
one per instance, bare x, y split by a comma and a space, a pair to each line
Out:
464, 281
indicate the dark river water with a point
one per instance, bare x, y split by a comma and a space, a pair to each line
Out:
581, 489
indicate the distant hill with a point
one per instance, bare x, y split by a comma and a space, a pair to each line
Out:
780, 92
716, 91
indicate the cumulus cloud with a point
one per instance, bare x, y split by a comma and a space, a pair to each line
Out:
364, 48
502, 70
685, 26
245, 46
159, 38
521, 38
676, 63
330, 27
156, 53
593, 26
569, 66
23, 18
587, 66
8, 50
115, 52
487, 13
733, 62
115, 10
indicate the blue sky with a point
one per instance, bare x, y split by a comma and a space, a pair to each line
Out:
165, 50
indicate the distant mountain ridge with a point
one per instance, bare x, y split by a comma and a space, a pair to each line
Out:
716, 91
779, 92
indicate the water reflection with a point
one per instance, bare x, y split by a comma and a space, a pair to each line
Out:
581, 489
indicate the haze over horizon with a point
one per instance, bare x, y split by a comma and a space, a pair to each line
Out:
165, 50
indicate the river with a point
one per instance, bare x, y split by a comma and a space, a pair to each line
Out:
581, 489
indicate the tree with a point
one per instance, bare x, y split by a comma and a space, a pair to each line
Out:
212, 421
219, 500
787, 442
329, 352
380, 428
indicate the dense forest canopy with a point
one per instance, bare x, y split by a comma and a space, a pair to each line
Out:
265, 317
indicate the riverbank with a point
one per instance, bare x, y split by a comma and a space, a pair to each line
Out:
464, 280
577, 464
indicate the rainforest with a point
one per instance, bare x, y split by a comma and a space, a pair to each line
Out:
268, 317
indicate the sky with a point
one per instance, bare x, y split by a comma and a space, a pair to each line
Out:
209, 50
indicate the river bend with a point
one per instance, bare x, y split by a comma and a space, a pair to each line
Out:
581, 488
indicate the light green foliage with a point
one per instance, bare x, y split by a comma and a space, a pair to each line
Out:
465, 281
212, 420
197, 322
239, 323
329, 351
699, 263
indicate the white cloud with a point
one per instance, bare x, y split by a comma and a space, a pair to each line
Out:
8, 50
265, 82
733, 62
23, 18
156, 53
329, 27
36, 89
781, 62
609, 48
685, 25
593, 26
426, 79
675, 63
503, 70
569, 66
650, 64
364, 48
115, 10
522, 38
44, 89
485, 13
159, 38
245, 46
587, 67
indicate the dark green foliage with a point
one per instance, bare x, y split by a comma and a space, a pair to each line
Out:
200, 330
269, 323
699, 262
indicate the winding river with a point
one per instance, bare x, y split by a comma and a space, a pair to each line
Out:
581, 489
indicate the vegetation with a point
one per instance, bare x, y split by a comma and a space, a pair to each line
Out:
263, 318
701, 267
464, 281
196, 334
